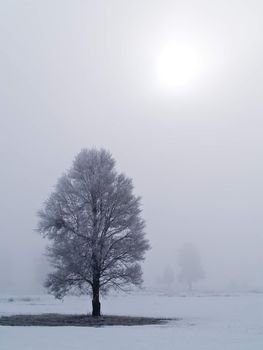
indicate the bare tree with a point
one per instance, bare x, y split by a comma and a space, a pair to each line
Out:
96, 232
190, 265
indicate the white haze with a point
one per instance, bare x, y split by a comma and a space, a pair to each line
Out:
80, 74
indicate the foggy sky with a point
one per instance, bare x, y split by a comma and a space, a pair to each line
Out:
81, 74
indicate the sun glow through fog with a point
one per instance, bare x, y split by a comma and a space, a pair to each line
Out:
179, 66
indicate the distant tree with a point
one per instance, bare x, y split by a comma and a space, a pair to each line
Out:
167, 278
42, 269
93, 222
190, 265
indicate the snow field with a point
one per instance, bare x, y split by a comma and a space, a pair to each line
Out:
206, 321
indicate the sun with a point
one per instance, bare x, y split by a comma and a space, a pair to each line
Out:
179, 66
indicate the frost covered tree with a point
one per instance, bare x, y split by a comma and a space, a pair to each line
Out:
94, 226
190, 265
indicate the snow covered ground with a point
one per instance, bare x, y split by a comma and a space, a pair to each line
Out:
207, 321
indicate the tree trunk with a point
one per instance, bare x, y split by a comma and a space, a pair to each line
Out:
96, 300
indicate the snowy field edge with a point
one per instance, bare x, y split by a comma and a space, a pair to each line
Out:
214, 320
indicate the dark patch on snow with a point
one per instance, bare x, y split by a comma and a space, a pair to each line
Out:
52, 320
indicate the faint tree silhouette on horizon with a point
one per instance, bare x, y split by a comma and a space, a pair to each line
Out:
190, 266
167, 278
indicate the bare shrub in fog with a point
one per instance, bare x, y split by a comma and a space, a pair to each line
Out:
93, 222
190, 267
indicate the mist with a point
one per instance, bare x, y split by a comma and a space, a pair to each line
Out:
82, 74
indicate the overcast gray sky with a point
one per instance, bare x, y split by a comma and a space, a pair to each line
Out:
78, 74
